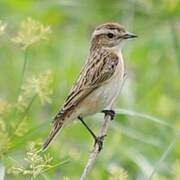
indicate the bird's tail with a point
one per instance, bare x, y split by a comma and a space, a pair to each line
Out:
54, 131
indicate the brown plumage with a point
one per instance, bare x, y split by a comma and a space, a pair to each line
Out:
93, 91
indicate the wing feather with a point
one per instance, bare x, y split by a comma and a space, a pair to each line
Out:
93, 75
91, 79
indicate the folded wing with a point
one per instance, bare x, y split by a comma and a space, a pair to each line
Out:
93, 75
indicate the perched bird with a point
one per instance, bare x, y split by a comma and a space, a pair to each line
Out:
99, 81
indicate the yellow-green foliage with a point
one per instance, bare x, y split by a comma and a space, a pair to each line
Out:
40, 86
31, 32
2, 27
176, 169
21, 128
4, 107
35, 80
36, 163
4, 142
117, 173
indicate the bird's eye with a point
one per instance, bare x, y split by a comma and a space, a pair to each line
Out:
110, 35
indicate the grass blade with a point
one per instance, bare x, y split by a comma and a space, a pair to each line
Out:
164, 155
143, 115
137, 135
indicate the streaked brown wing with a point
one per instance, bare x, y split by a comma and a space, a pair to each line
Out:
98, 72
91, 77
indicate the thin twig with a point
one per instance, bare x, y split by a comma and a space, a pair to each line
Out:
95, 151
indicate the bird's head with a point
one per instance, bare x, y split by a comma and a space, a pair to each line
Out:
111, 35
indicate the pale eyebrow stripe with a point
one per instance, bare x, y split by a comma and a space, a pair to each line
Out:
104, 31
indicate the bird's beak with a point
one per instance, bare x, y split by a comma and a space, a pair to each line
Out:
128, 35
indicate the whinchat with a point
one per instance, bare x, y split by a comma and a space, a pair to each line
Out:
99, 82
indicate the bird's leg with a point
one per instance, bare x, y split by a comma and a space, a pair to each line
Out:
109, 112
91, 132
97, 139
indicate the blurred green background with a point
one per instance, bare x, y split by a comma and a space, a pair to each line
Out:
144, 137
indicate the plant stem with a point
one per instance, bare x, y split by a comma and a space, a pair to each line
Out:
23, 71
21, 80
24, 113
29, 106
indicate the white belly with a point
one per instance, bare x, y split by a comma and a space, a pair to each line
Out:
103, 97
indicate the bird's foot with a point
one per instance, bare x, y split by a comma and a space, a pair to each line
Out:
110, 113
99, 140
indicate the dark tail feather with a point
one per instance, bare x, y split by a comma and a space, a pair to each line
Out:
52, 134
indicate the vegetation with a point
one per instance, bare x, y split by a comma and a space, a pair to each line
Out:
43, 45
